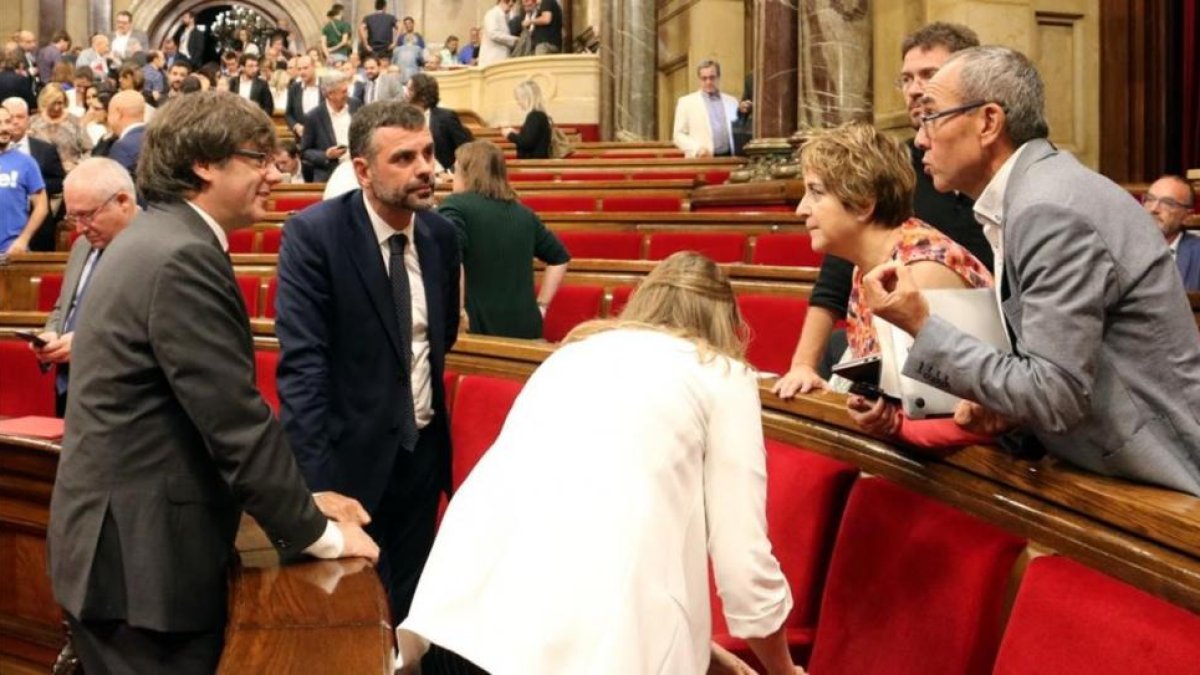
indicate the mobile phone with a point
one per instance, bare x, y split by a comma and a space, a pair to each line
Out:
863, 375
30, 337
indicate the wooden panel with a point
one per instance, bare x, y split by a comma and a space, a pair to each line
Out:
1058, 46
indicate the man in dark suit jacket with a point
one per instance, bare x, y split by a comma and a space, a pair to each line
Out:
447, 130
190, 40
326, 136
296, 109
1169, 201
48, 161
15, 83
126, 111
167, 436
250, 86
366, 311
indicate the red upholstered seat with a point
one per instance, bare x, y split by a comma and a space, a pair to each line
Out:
716, 177
806, 493
643, 204
793, 250
574, 176
242, 241
297, 202
664, 175
48, 291
775, 322
481, 404
266, 362
24, 388
744, 208
571, 306
559, 203
249, 287
914, 586
450, 384
529, 176
620, 298
271, 238
72, 236
608, 245
272, 289
722, 247
1072, 620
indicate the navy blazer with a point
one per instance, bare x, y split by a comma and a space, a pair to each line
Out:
340, 370
125, 150
1187, 257
319, 137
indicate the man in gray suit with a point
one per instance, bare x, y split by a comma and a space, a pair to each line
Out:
100, 200
167, 438
1105, 368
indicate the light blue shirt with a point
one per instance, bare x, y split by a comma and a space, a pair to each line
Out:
718, 122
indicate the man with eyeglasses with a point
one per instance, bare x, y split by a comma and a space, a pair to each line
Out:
820, 346
100, 200
1169, 201
1104, 369
704, 118
23, 202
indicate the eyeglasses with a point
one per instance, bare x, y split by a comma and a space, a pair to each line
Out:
87, 217
260, 160
1149, 199
928, 119
906, 80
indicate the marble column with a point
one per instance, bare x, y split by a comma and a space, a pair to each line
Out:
775, 56
628, 69
834, 62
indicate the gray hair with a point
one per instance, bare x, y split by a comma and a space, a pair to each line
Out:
330, 79
15, 103
709, 63
1007, 77
100, 175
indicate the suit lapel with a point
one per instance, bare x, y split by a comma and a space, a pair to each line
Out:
368, 263
327, 122
431, 274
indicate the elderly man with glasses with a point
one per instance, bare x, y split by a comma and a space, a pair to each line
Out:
1105, 362
1170, 200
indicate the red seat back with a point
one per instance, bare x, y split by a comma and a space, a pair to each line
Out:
266, 362
641, 204
722, 247
481, 404
242, 241
774, 322
1072, 620
528, 176
914, 586
571, 306
272, 289
271, 238
297, 202
559, 203
48, 292
24, 388
607, 245
249, 286
792, 250
620, 298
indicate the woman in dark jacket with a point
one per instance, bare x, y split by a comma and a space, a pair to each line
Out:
499, 237
533, 140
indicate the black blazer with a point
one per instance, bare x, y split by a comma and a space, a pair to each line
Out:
46, 156
13, 83
340, 370
294, 112
448, 133
195, 46
260, 93
533, 140
319, 137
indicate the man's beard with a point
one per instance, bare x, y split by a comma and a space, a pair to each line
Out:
406, 197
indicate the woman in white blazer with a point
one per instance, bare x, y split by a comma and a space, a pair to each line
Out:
579, 544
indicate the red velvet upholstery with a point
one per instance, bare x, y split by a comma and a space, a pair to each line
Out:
664, 175
793, 250
242, 241
559, 204
806, 493
914, 586
265, 364
450, 384
645, 204
297, 202
620, 297
481, 404
529, 176
24, 389
716, 177
271, 238
574, 176
272, 288
775, 322
1069, 619
48, 292
571, 306
722, 247
639, 154
608, 245
74, 234
745, 208
249, 287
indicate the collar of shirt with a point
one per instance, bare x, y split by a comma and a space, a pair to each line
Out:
212, 224
23, 145
131, 127
1174, 244
989, 208
715, 96
383, 231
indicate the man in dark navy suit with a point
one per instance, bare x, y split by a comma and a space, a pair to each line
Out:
367, 308
326, 135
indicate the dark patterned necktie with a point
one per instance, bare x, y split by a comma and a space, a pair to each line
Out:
402, 297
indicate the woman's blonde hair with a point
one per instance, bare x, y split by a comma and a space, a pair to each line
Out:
529, 96
860, 165
50, 93
480, 164
686, 295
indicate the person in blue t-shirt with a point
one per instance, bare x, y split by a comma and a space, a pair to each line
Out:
23, 203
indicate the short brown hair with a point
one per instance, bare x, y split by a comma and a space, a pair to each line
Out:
480, 164
953, 36
207, 126
859, 165
424, 90
381, 114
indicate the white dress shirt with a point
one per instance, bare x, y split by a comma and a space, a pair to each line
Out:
309, 98
341, 128
244, 87
989, 212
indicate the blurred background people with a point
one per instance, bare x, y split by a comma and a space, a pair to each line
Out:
533, 139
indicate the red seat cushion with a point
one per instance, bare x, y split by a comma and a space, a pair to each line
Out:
792, 250
744, 208
607, 245
296, 202
716, 177
1071, 620
914, 586
266, 362
571, 306
24, 388
620, 298
242, 241
271, 238
481, 404
272, 289
641, 204
529, 176
722, 247
806, 493
665, 175
774, 322
48, 292
558, 204
574, 176
249, 287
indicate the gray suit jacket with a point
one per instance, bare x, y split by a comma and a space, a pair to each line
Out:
75, 262
167, 437
1106, 369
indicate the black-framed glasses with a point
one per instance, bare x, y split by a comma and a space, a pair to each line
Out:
88, 216
260, 160
928, 119
1150, 199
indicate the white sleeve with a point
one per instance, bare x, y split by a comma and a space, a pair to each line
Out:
683, 140
752, 586
330, 545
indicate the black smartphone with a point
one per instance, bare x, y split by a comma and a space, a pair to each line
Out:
30, 337
863, 375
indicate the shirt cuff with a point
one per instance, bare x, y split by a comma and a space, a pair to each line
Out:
330, 544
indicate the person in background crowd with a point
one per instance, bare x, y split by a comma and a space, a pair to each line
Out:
130, 78
410, 34
1170, 200
122, 36
194, 83
469, 54
244, 42
190, 40
156, 82
23, 201
449, 51
64, 75
126, 119
498, 236
52, 54
445, 126
49, 165
546, 23
336, 34
432, 61
97, 57
13, 82
533, 140
95, 120
250, 86
283, 31
366, 91
229, 65
377, 31
303, 96
287, 162
54, 125
704, 118
27, 48
408, 58
175, 78
280, 83
497, 40
170, 53
326, 138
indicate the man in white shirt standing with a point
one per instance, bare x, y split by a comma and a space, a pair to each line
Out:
326, 137
703, 119
250, 86
123, 33
497, 40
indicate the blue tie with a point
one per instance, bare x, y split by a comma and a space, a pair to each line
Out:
402, 296
62, 374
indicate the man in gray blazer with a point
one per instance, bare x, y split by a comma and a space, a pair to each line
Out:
1105, 367
100, 200
167, 438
